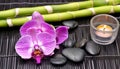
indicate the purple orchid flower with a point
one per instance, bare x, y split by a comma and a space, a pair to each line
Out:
39, 39
37, 23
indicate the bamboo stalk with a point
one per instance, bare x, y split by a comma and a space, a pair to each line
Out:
11, 13
63, 16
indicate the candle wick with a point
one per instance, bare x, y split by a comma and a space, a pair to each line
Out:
104, 30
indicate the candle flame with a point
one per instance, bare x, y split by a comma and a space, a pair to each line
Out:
105, 26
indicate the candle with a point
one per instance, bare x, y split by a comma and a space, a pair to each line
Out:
101, 31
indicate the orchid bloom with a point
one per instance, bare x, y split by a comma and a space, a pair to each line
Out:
39, 39
37, 23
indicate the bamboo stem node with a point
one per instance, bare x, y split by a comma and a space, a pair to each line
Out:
9, 22
107, 1
49, 9
71, 14
92, 3
59, 15
29, 17
16, 11
112, 9
78, 5
92, 10
113, 1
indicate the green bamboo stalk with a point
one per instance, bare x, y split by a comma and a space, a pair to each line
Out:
11, 13
65, 15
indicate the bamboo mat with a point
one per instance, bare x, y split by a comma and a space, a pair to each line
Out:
109, 57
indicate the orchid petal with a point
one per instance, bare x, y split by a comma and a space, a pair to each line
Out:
33, 31
61, 34
47, 43
26, 26
37, 16
52, 53
57, 46
45, 27
24, 47
41, 27
38, 22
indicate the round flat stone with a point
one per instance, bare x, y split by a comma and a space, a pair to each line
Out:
92, 48
58, 59
70, 23
74, 54
69, 43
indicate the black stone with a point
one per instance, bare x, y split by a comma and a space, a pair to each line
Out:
58, 59
69, 43
92, 48
74, 54
70, 23
81, 43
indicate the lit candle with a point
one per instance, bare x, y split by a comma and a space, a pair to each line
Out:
102, 31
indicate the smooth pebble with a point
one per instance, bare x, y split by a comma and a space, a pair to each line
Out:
74, 54
58, 59
92, 48
70, 23
69, 43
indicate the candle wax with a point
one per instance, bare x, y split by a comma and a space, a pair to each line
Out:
101, 31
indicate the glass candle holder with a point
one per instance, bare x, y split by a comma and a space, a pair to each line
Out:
104, 29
